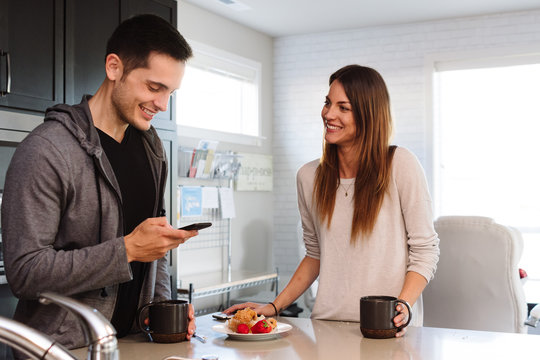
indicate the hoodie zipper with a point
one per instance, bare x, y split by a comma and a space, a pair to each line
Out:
99, 171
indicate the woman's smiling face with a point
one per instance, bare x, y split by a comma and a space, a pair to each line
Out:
338, 118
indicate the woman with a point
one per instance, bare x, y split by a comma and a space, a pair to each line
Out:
365, 209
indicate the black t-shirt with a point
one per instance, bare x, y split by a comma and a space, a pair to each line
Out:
132, 169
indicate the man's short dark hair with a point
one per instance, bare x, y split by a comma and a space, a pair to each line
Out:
135, 38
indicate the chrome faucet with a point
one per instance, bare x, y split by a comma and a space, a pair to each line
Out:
99, 334
98, 331
31, 342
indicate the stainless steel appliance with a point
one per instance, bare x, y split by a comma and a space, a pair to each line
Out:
8, 144
13, 129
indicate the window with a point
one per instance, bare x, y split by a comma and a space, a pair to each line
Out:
219, 97
487, 147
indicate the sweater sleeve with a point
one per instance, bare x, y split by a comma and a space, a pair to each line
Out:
304, 182
416, 206
35, 207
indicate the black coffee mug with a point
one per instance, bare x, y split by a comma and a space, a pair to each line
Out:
377, 314
168, 320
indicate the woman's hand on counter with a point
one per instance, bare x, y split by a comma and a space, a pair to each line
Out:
191, 325
261, 309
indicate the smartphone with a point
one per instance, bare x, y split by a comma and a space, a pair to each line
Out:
197, 226
221, 316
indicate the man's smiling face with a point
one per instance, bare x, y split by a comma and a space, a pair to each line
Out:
138, 96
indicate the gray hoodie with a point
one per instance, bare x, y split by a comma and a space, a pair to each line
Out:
61, 232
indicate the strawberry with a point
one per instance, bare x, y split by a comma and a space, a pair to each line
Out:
242, 329
261, 327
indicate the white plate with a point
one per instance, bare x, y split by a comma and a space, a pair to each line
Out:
280, 329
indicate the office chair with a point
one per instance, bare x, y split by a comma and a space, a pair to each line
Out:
476, 285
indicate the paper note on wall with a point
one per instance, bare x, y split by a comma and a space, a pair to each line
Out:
255, 173
227, 203
191, 199
210, 198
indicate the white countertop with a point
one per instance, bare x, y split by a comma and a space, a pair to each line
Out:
317, 339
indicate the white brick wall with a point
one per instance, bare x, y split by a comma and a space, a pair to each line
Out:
302, 65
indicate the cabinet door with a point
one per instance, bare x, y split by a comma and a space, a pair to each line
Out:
170, 145
163, 8
89, 24
31, 34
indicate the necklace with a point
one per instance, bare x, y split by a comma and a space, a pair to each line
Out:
346, 188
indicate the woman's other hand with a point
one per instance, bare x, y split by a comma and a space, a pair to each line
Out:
401, 319
191, 325
261, 309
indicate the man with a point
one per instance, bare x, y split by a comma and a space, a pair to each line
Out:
82, 212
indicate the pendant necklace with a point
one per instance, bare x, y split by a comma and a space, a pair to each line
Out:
346, 188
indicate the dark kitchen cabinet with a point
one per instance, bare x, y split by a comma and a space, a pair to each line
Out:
170, 145
31, 47
89, 23
163, 8
56, 48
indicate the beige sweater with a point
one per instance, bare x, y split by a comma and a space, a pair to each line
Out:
403, 239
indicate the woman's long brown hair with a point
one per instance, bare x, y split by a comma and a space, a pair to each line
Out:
370, 105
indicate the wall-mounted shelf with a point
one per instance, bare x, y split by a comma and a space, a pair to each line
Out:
216, 283
207, 164
215, 239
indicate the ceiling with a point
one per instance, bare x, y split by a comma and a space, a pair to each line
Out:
292, 17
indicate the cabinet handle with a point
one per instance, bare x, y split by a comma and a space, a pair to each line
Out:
8, 74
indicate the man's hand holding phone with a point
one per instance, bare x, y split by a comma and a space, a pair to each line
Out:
152, 238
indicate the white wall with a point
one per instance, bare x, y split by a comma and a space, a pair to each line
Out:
252, 229
302, 65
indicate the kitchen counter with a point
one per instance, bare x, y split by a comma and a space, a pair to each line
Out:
318, 339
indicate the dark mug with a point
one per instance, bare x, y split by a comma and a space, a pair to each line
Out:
377, 314
167, 320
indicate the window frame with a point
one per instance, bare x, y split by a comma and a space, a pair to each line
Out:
222, 56
472, 60
434, 63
